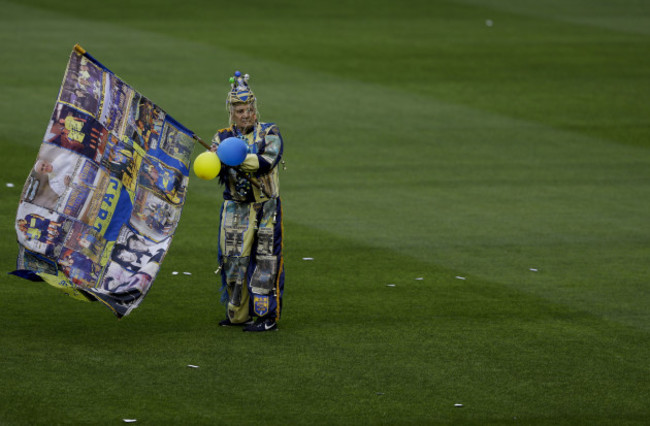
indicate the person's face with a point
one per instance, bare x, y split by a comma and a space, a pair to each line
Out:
127, 256
137, 245
244, 115
45, 167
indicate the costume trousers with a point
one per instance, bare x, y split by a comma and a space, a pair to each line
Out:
250, 252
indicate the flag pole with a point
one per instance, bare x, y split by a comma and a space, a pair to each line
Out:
201, 141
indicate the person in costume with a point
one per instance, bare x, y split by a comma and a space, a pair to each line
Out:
250, 229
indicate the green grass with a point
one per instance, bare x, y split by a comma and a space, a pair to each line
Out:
420, 143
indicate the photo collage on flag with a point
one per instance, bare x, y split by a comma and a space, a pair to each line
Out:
101, 204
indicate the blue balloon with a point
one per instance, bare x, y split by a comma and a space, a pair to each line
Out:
232, 151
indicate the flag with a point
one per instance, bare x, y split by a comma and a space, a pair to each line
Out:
100, 206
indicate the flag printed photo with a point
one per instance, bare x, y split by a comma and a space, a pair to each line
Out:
100, 205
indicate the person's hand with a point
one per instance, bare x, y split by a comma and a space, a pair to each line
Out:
67, 180
214, 147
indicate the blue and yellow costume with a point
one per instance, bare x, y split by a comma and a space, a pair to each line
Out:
250, 232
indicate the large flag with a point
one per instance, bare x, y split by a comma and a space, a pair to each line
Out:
101, 204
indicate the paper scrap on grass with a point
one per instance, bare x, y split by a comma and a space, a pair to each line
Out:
460, 278
307, 258
100, 206
458, 405
390, 285
534, 269
419, 279
129, 420
192, 366
10, 185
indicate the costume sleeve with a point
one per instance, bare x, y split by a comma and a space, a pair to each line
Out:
271, 155
219, 136
215, 141
251, 163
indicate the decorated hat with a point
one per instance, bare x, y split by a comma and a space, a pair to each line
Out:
240, 92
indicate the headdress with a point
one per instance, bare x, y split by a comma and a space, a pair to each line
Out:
240, 92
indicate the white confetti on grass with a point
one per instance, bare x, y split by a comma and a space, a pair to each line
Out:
534, 269
187, 273
192, 366
458, 405
10, 185
307, 258
175, 273
129, 420
390, 285
419, 279
460, 278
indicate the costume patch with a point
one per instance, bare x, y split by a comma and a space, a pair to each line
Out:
263, 278
261, 305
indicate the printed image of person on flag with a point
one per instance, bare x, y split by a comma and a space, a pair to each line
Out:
81, 270
76, 131
59, 172
82, 84
133, 254
41, 232
250, 230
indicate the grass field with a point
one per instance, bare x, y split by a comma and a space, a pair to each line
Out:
490, 159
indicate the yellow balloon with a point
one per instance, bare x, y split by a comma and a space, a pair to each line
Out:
207, 165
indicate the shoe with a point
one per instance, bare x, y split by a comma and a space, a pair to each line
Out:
264, 325
228, 323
